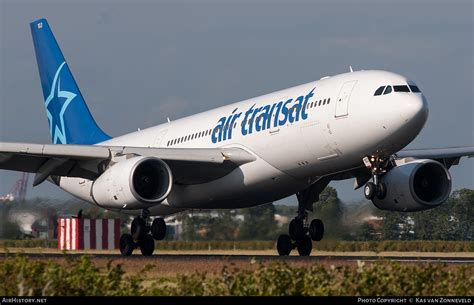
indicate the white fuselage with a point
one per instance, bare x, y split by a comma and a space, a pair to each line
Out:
293, 148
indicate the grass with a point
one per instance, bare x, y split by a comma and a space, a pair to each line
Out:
85, 276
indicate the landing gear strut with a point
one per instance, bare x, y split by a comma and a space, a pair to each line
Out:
301, 234
375, 188
143, 235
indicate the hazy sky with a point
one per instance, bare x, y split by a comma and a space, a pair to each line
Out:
138, 62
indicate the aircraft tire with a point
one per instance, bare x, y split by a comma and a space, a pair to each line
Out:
381, 191
296, 229
369, 190
316, 229
304, 246
284, 245
147, 245
126, 244
158, 229
138, 228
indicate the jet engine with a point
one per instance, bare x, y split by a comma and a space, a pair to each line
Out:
414, 186
135, 183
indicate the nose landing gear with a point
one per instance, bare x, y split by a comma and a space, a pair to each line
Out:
375, 188
142, 235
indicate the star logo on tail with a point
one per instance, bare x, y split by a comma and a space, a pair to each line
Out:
56, 106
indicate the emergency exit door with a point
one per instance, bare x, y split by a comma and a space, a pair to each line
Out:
342, 102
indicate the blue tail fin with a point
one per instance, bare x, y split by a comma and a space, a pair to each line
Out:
70, 121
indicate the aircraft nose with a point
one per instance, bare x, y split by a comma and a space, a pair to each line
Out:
415, 109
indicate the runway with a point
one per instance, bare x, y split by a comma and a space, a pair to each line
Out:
187, 258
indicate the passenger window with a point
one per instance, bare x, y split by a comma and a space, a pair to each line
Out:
387, 90
329, 99
401, 88
379, 91
324, 102
414, 88
319, 104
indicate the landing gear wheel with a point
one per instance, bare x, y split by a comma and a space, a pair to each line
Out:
381, 191
304, 246
147, 245
369, 190
297, 230
138, 229
284, 245
158, 229
316, 229
126, 245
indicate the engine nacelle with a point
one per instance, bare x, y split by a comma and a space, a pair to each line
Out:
135, 183
414, 186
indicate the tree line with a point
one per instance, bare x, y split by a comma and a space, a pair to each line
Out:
356, 221
353, 221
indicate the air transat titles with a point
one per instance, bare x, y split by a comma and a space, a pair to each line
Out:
257, 119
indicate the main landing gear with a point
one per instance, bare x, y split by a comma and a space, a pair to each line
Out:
301, 234
143, 235
375, 188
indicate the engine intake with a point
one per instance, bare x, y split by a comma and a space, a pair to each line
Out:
133, 183
151, 180
415, 186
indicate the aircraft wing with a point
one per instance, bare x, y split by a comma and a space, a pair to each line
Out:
448, 156
188, 165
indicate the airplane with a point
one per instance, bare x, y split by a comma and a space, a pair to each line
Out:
353, 125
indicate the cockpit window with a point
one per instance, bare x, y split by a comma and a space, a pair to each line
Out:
379, 91
401, 88
414, 88
387, 90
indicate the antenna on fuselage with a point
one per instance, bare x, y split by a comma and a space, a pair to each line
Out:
350, 68
168, 119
